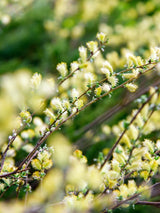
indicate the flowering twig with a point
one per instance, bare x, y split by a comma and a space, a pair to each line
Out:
50, 131
132, 120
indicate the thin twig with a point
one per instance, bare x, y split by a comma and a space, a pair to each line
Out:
50, 131
132, 120
131, 198
105, 116
88, 59
148, 203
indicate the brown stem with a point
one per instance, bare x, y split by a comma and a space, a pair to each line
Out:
9, 144
130, 154
12, 173
117, 142
133, 197
88, 59
149, 203
47, 133
105, 116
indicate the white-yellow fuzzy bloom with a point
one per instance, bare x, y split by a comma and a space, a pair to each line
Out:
66, 104
26, 134
83, 53
8, 167
131, 59
113, 175
37, 121
101, 37
28, 148
79, 104
36, 164
113, 80
105, 71
155, 53
92, 46
149, 144
158, 144
154, 95
133, 74
44, 155
74, 94
131, 87
47, 164
74, 110
94, 177
125, 139
26, 116
62, 69
56, 104
158, 52
145, 166
154, 166
132, 132
116, 166
135, 166
64, 115
70, 200
148, 156
17, 142
128, 75
106, 87
89, 77
74, 66
139, 152
107, 65
144, 111
49, 113
144, 174
140, 61
139, 120
36, 80
132, 188
106, 168
119, 157
124, 190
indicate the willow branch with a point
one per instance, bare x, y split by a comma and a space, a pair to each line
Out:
132, 120
132, 198
50, 131
148, 203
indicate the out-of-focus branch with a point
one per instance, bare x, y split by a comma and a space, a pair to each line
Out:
128, 99
149, 203
132, 120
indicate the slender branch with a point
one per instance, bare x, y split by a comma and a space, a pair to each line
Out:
105, 116
6, 189
145, 123
50, 131
16, 133
9, 144
149, 203
46, 134
122, 202
82, 142
12, 173
132, 120
88, 59
132, 198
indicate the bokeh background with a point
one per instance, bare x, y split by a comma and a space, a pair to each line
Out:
35, 35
